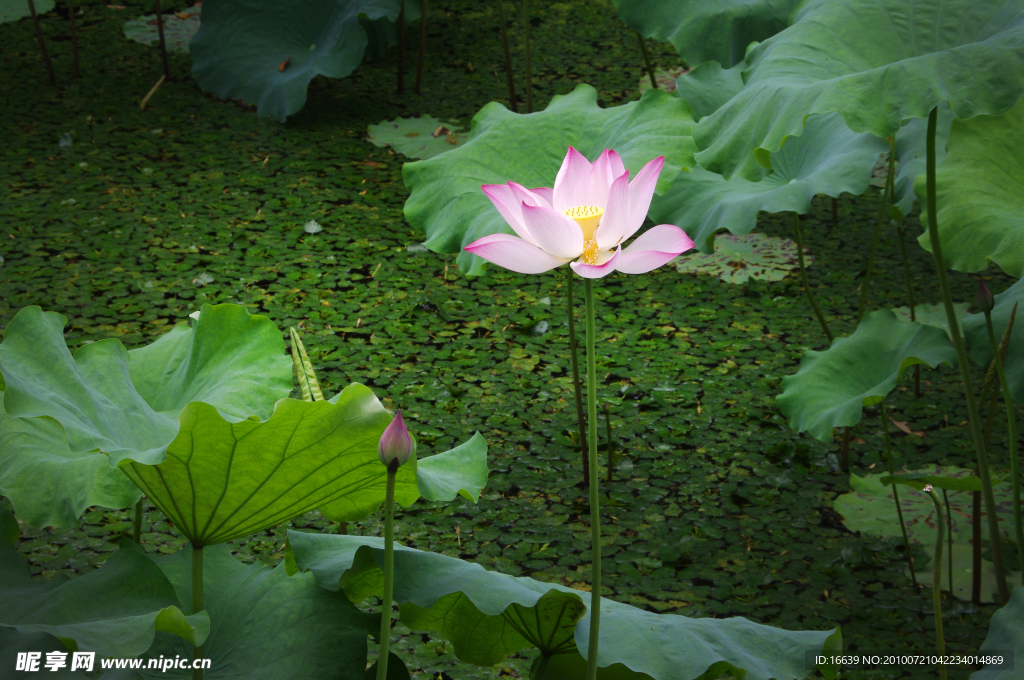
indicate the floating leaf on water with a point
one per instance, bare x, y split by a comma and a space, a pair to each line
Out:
178, 31
12, 10
423, 137
739, 258
203, 279
541, 328
65, 140
313, 227
416, 248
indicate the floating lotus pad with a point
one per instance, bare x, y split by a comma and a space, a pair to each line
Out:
446, 201
179, 28
12, 10
739, 258
891, 61
832, 387
420, 138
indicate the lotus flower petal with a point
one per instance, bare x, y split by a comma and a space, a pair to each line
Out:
572, 184
553, 231
515, 254
606, 264
653, 248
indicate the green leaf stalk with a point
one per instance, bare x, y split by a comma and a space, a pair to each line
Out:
883, 210
577, 388
595, 496
895, 492
803, 277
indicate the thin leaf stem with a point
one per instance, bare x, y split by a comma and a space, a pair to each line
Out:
595, 496
529, 73
74, 36
1011, 423
949, 523
913, 306
389, 573
647, 60
882, 211
163, 43
508, 58
965, 369
42, 42
401, 48
940, 640
197, 603
803, 277
895, 492
423, 49
577, 388
611, 446
137, 522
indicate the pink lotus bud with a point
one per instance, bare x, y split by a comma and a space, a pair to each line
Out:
395, 443
985, 301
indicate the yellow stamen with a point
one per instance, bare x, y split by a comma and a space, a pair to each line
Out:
588, 217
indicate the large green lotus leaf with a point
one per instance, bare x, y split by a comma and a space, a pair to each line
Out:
702, 31
12, 10
230, 359
1005, 632
179, 29
48, 483
382, 33
979, 191
223, 480
126, 404
963, 572
878, 62
737, 259
491, 614
14, 642
114, 611
708, 86
462, 470
265, 625
910, 158
445, 199
869, 508
934, 314
978, 343
827, 159
242, 45
832, 387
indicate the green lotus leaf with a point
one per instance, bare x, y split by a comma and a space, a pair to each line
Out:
12, 10
114, 611
414, 137
979, 189
827, 159
179, 29
382, 33
223, 480
47, 482
493, 614
396, 669
919, 480
931, 314
708, 86
703, 31
910, 158
462, 470
265, 625
963, 572
869, 507
665, 78
1005, 633
127, 403
447, 204
14, 642
832, 387
976, 332
737, 259
888, 61
266, 54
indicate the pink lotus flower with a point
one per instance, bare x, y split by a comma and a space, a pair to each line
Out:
395, 445
591, 210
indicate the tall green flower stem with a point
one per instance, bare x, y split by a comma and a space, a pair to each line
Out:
949, 523
883, 210
647, 60
803, 277
197, 601
574, 355
42, 42
137, 523
529, 73
965, 369
423, 49
508, 58
940, 640
1011, 423
595, 496
910, 296
611, 447
389, 572
895, 492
